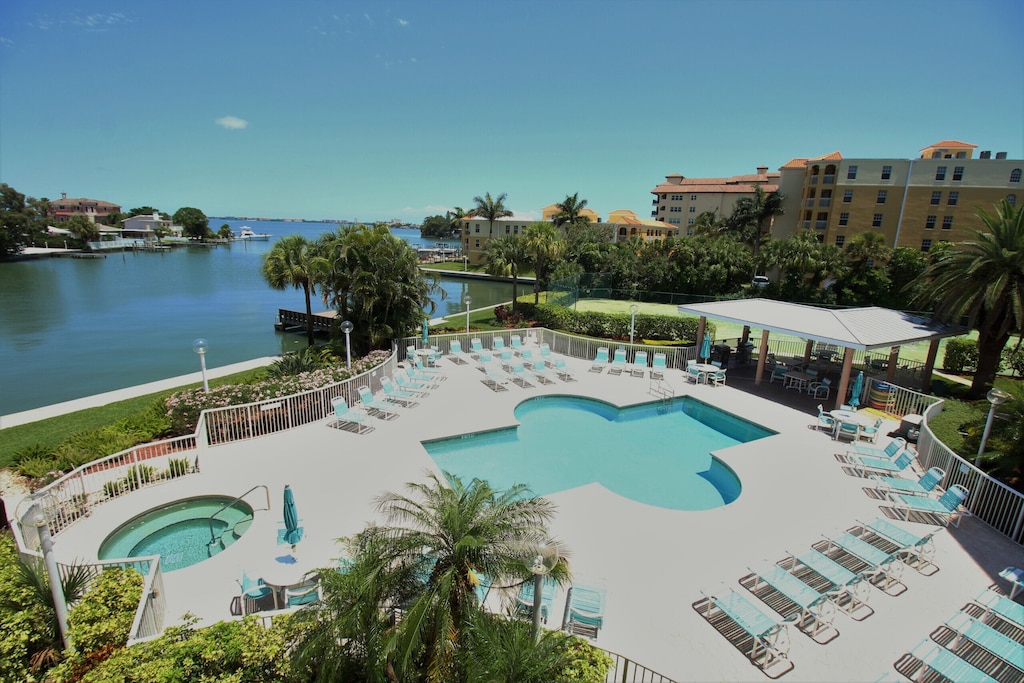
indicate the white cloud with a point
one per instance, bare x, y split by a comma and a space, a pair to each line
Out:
403, 22
231, 122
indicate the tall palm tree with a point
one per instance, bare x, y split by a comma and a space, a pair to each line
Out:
982, 280
505, 256
545, 250
492, 209
752, 217
569, 211
293, 261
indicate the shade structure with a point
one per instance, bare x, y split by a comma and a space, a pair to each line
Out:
292, 531
857, 390
705, 347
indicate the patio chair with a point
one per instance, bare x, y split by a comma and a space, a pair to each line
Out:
769, 639
506, 359
871, 561
519, 376
825, 421
544, 373
254, 594
565, 373
658, 366
863, 464
639, 367
811, 611
374, 406
779, 372
930, 655
584, 611
421, 378
497, 343
526, 355
516, 343
399, 397
348, 419
410, 353
915, 551
848, 590
618, 362
693, 374
820, 390
432, 373
718, 378
871, 433
545, 351
600, 360
302, 594
945, 508
891, 450
523, 605
922, 487
847, 430
455, 352
1002, 647
476, 346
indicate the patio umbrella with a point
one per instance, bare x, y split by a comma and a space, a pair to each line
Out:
426, 331
705, 347
292, 530
857, 390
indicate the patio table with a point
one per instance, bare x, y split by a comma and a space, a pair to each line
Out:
283, 573
705, 370
797, 380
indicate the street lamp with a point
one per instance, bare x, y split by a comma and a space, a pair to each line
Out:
468, 301
633, 308
996, 397
35, 517
540, 560
200, 346
347, 328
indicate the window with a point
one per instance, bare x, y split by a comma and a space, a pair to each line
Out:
1012, 199
676, 209
515, 230
936, 198
947, 222
876, 221
840, 239
844, 218
478, 244
508, 229
693, 209
958, 173
693, 197
926, 245
886, 172
940, 173
677, 197
674, 221
953, 198
1015, 175
476, 228
847, 196
929, 224
691, 221
882, 194
851, 173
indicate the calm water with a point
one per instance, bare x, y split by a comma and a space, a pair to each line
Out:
76, 327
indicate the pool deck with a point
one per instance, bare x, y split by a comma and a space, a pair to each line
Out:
653, 562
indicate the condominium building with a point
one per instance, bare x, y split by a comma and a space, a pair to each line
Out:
477, 232
625, 224
550, 212
911, 202
679, 200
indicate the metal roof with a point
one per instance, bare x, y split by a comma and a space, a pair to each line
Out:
865, 329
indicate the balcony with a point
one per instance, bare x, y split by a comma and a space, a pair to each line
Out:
654, 214
830, 179
654, 202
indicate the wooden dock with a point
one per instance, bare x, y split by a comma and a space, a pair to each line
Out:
295, 321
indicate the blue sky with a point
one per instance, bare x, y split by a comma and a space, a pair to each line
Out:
380, 110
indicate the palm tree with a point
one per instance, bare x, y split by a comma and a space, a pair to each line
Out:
505, 256
506, 651
982, 280
293, 262
752, 217
545, 250
569, 211
491, 209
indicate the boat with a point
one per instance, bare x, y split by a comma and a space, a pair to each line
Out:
246, 233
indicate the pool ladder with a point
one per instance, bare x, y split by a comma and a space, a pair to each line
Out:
214, 541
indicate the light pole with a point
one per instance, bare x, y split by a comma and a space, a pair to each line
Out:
35, 517
465, 263
996, 397
540, 561
347, 328
633, 308
200, 346
468, 301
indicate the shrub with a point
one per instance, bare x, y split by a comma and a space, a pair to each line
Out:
961, 354
100, 621
1013, 360
33, 452
589, 664
616, 325
176, 467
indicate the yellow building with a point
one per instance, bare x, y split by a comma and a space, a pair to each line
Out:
911, 202
477, 232
626, 224
679, 200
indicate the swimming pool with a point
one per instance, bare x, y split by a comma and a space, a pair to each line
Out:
654, 453
182, 533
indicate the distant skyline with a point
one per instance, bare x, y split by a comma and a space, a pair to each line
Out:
402, 110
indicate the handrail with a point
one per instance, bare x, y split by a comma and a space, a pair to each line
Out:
213, 538
625, 670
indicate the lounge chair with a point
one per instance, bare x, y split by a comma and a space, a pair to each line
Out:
946, 508
544, 373
431, 373
890, 451
769, 639
585, 611
811, 611
524, 599
399, 397
819, 390
659, 366
639, 367
600, 360
520, 377
618, 362
455, 352
871, 561
495, 379
864, 465
1002, 606
1002, 647
303, 594
374, 406
922, 487
420, 378
930, 655
516, 343
412, 386
476, 346
254, 594
871, 433
848, 590
506, 359
915, 551
825, 422
497, 344
526, 355
545, 351
565, 373
348, 419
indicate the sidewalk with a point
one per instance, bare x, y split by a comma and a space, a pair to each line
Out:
24, 417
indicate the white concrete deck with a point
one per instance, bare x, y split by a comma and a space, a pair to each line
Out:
654, 562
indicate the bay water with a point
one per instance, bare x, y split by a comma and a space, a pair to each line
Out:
75, 327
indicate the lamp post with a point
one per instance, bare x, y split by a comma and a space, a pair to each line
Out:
996, 397
468, 301
347, 328
35, 517
465, 263
540, 560
200, 346
633, 308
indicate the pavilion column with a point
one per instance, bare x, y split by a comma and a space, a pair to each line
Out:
844, 377
762, 357
929, 366
702, 325
894, 357
746, 334
807, 352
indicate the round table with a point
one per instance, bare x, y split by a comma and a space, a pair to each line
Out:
705, 369
284, 572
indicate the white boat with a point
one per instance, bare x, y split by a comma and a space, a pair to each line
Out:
246, 233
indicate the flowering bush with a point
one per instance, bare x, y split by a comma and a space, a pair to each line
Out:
184, 407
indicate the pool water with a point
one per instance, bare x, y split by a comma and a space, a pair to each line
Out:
182, 532
654, 453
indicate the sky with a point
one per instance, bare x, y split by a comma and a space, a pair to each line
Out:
401, 110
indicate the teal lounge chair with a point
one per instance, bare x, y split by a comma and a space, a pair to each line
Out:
476, 346
524, 599
431, 373
915, 551
520, 377
600, 360
929, 655
946, 508
399, 397
639, 367
922, 487
417, 389
848, 590
419, 377
585, 611
517, 343
565, 373
659, 366
618, 362
375, 406
497, 344
811, 611
495, 379
890, 451
455, 352
863, 465
1002, 606
769, 639
545, 351
544, 373
348, 419
860, 556
1001, 646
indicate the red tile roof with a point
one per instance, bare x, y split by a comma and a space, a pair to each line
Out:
737, 188
949, 143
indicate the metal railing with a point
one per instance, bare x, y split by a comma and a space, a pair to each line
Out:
990, 500
266, 491
625, 670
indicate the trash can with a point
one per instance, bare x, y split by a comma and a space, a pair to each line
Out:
910, 427
878, 396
